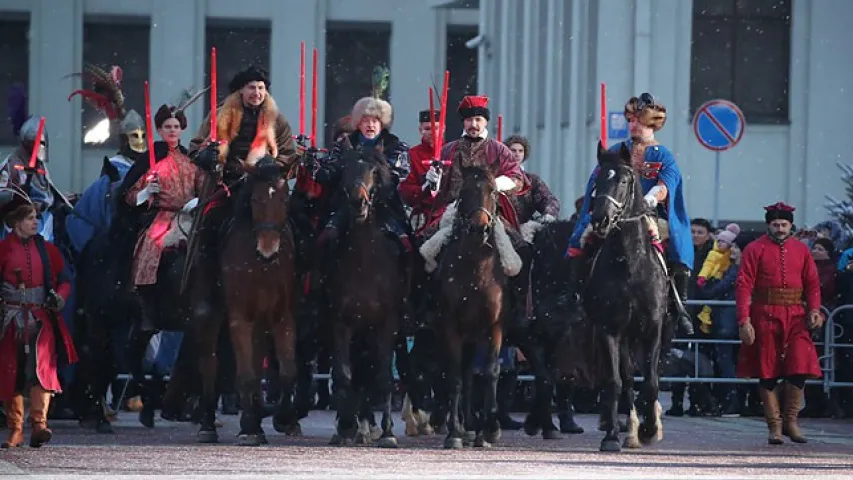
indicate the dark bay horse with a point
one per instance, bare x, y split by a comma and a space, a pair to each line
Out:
256, 259
367, 286
625, 299
472, 293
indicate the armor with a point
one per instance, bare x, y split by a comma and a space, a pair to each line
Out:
133, 127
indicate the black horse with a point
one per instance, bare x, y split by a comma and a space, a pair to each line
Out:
625, 299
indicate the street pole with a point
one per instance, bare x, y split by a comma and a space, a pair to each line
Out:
717, 189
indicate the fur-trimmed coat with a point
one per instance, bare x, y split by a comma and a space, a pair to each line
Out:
239, 126
538, 199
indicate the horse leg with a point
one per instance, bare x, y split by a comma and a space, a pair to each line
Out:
135, 357
242, 335
453, 346
540, 415
384, 347
469, 420
286, 419
652, 428
204, 337
633, 423
565, 407
491, 431
611, 393
342, 379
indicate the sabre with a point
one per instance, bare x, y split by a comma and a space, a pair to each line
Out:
603, 115
302, 89
37, 145
213, 94
149, 130
437, 144
314, 102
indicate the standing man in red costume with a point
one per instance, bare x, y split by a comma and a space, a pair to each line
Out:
777, 275
416, 189
34, 341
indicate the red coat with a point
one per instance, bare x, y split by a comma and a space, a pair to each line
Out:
25, 256
783, 344
411, 188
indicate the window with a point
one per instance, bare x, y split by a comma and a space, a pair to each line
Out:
238, 46
462, 63
125, 43
353, 50
15, 58
741, 52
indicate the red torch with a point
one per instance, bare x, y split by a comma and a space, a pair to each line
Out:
603, 115
213, 94
314, 102
149, 133
37, 145
302, 90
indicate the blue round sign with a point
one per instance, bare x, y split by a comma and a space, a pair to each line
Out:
719, 125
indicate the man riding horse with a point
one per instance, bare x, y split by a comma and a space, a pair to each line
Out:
663, 189
476, 149
416, 189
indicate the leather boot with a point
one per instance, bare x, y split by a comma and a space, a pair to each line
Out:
14, 422
681, 279
793, 404
39, 403
772, 415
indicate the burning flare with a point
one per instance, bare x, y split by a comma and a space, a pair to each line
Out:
99, 133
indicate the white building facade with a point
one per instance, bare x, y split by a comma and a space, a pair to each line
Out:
168, 42
784, 62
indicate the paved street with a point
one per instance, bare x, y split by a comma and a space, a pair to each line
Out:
692, 448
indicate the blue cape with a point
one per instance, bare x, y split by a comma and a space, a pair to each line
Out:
659, 165
93, 211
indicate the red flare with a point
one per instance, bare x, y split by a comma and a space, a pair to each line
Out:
213, 94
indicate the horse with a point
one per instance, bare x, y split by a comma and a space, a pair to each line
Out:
366, 287
625, 299
472, 291
550, 339
256, 266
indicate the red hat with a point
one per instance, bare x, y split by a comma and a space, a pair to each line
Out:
779, 211
474, 105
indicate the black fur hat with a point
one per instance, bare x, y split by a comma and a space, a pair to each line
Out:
252, 74
166, 112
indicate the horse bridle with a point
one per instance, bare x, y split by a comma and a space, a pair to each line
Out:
620, 206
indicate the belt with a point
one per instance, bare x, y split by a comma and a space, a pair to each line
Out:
778, 296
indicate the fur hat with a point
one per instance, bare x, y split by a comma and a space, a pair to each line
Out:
371, 107
779, 211
474, 105
648, 111
166, 112
424, 116
521, 141
729, 235
251, 74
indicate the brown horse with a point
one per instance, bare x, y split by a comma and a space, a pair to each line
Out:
472, 290
366, 286
256, 262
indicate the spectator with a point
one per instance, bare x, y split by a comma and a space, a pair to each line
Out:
824, 254
716, 263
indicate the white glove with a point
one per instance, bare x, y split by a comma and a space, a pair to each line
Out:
504, 183
190, 205
151, 189
433, 176
547, 218
651, 201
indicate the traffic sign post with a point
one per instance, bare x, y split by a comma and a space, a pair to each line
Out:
617, 126
719, 126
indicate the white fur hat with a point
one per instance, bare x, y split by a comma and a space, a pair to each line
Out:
371, 107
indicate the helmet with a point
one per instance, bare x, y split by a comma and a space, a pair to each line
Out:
30, 128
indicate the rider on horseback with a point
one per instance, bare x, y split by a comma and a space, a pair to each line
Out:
538, 199
416, 188
662, 186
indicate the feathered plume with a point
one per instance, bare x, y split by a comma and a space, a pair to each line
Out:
106, 95
188, 99
379, 81
17, 104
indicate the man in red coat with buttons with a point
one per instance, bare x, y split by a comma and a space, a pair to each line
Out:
416, 190
777, 276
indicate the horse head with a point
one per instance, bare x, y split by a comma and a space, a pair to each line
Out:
365, 175
478, 202
268, 199
617, 190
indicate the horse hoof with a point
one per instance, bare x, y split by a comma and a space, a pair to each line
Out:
412, 429
492, 436
104, 427
426, 429
650, 435
248, 440
146, 418
387, 442
610, 445
480, 442
550, 435
631, 442
531, 428
469, 437
294, 430
453, 443
375, 433
361, 439
207, 436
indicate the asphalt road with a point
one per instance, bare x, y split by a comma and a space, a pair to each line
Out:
691, 448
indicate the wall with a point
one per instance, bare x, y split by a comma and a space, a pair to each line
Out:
178, 57
644, 45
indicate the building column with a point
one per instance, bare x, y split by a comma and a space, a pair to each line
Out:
284, 59
56, 50
413, 56
176, 57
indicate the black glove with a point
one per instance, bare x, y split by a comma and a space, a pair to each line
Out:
54, 301
208, 158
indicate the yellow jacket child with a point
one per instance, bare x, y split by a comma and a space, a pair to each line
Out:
715, 266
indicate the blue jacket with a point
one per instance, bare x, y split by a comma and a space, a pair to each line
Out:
659, 165
94, 210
